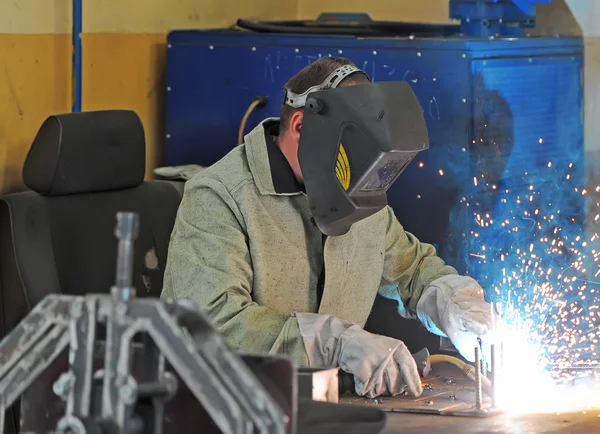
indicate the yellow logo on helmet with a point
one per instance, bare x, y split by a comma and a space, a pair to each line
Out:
342, 168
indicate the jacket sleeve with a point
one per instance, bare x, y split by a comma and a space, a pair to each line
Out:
209, 263
409, 266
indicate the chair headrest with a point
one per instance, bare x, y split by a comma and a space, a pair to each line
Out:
87, 152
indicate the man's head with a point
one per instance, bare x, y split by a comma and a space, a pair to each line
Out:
291, 118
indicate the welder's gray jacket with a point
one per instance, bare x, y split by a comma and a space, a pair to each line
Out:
244, 247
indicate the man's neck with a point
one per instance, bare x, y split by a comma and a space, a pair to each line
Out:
287, 147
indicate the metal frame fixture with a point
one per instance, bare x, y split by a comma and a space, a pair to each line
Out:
222, 383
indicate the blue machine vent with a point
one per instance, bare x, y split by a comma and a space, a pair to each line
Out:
542, 95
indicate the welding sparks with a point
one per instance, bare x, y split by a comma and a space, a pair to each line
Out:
535, 268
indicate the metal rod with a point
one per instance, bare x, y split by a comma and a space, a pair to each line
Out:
2, 413
494, 363
155, 389
126, 232
77, 54
483, 355
478, 387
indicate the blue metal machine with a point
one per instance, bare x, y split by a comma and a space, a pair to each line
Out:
494, 17
504, 113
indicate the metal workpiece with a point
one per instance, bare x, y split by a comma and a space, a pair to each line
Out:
423, 364
482, 356
166, 387
231, 410
478, 380
494, 374
100, 392
32, 346
63, 385
447, 392
126, 231
319, 384
451, 387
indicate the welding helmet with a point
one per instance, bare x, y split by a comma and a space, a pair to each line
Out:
354, 143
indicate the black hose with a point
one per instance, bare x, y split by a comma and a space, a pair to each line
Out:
374, 28
278, 28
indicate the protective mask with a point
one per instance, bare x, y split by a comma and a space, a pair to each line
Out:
355, 142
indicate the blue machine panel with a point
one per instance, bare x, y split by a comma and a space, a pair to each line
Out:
527, 137
498, 111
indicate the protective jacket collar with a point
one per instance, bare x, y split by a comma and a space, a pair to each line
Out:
271, 171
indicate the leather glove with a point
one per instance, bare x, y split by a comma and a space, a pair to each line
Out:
380, 365
454, 307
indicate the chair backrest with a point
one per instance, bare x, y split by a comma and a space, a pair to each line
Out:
82, 169
59, 237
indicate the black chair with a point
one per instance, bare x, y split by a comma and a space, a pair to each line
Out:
58, 237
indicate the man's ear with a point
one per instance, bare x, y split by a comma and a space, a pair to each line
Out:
295, 125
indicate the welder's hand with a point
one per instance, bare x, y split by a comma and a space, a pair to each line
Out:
380, 365
455, 307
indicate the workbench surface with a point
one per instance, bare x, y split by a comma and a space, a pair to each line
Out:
580, 423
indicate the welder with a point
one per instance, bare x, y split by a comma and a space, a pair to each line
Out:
286, 241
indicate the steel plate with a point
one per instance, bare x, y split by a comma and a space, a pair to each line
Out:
445, 393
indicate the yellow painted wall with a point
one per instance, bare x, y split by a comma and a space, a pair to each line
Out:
34, 82
123, 62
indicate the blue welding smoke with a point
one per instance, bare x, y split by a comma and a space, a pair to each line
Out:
525, 203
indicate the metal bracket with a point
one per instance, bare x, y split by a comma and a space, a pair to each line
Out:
484, 18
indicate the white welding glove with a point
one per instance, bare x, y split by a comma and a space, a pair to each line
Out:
455, 307
380, 365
